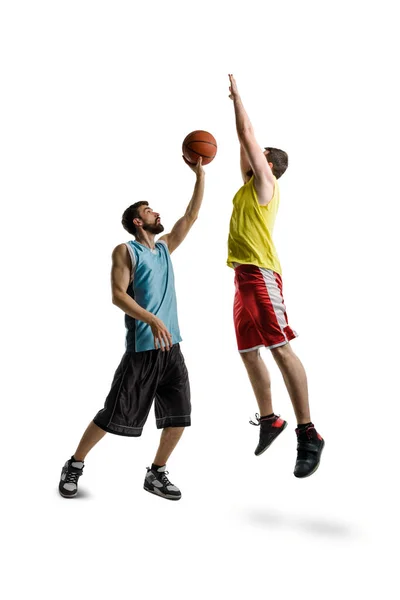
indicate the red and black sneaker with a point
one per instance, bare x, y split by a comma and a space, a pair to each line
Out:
309, 449
270, 428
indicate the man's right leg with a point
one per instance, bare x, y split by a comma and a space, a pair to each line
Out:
259, 379
73, 468
125, 410
92, 435
270, 425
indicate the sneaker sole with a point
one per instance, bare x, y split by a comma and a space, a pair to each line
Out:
67, 495
316, 466
161, 495
270, 444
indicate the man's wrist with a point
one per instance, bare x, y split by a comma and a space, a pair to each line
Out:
149, 318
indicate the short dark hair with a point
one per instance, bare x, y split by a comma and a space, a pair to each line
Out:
279, 159
131, 213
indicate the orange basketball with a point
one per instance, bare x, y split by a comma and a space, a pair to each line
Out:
199, 143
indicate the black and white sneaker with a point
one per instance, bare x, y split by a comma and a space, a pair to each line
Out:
70, 474
157, 482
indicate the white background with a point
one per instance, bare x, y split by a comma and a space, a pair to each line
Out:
96, 100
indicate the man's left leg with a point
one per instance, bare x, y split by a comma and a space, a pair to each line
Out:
169, 438
156, 480
172, 410
310, 443
295, 379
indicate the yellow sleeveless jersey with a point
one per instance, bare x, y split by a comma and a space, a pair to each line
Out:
250, 229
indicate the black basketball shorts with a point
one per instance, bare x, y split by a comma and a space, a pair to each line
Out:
141, 378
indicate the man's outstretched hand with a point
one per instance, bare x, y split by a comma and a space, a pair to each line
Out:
197, 168
233, 88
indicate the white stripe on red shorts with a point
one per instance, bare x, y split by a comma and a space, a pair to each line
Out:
259, 310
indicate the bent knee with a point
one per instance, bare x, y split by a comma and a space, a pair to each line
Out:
282, 352
250, 357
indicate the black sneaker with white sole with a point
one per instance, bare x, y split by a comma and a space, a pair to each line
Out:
156, 482
70, 474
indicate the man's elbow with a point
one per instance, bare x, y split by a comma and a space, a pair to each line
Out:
191, 218
245, 132
116, 297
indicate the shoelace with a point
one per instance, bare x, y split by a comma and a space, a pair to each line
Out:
72, 476
165, 479
259, 419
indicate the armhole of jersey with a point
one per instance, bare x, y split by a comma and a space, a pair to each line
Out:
133, 260
273, 199
253, 185
165, 244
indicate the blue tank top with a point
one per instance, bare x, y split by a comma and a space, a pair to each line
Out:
152, 286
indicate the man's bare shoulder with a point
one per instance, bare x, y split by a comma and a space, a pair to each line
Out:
120, 254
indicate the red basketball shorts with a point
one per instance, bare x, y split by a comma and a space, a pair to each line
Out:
259, 311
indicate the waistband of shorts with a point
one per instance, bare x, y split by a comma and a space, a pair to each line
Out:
248, 267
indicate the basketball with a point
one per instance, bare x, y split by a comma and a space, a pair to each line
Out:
199, 143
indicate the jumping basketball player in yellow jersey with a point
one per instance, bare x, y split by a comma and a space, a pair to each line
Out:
259, 311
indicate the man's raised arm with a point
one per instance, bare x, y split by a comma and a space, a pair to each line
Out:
184, 224
263, 177
245, 165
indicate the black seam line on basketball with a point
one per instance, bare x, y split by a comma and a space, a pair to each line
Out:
200, 142
198, 153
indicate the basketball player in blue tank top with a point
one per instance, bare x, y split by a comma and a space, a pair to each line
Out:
152, 367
